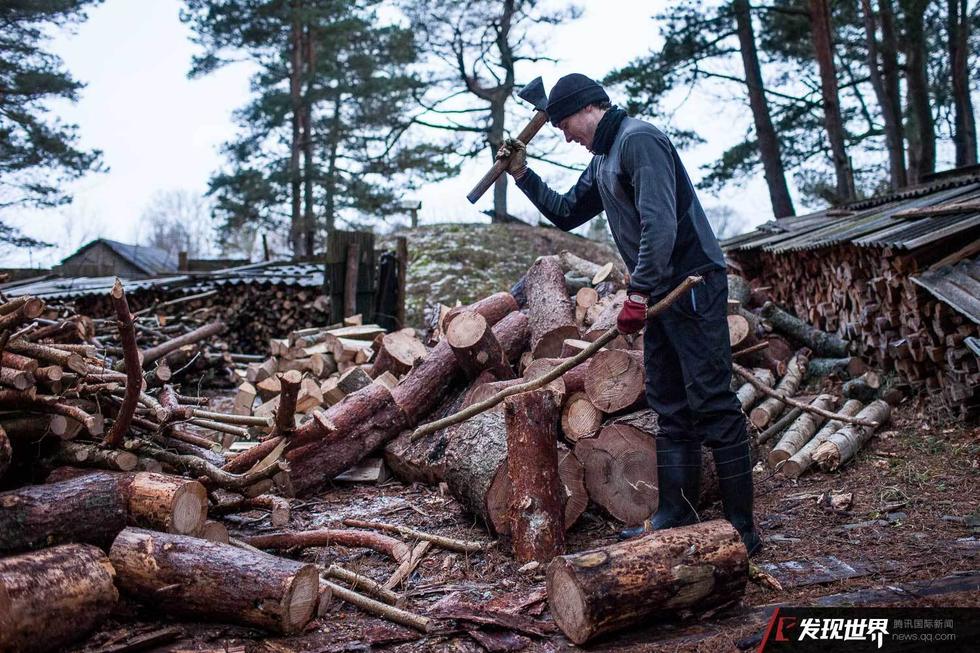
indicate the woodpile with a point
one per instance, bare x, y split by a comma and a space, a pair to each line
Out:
865, 297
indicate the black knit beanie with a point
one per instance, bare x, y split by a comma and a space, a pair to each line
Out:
571, 94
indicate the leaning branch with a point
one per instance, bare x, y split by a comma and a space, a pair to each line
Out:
134, 369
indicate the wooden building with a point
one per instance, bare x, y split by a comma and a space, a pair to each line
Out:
104, 258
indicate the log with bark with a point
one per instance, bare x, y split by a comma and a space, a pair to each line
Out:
623, 585
803, 459
800, 431
621, 472
210, 580
747, 394
847, 441
92, 507
475, 347
770, 409
550, 311
572, 381
52, 597
399, 352
820, 342
579, 417
536, 510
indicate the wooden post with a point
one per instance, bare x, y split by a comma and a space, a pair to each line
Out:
401, 252
350, 280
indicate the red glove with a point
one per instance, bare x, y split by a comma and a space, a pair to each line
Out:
633, 315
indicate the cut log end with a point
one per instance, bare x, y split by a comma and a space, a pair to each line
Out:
300, 600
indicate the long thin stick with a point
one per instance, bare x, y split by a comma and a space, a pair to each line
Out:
447, 543
379, 609
759, 346
542, 381
748, 376
362, 583
134, 372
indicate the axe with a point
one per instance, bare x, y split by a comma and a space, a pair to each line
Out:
533, 93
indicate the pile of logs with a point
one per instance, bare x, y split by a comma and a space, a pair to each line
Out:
254, 313
866, 297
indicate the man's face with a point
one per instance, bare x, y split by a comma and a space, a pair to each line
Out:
580, 127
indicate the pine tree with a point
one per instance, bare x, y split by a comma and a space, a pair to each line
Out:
39, 155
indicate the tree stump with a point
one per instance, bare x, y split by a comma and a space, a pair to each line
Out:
550, 311
211, 580
536, 511
621, 472
52, 597
626, 584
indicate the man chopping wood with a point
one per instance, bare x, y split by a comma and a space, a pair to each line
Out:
637, 178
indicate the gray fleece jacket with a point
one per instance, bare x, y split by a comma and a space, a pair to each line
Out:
655, 217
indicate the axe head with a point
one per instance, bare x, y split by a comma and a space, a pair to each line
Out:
534, 93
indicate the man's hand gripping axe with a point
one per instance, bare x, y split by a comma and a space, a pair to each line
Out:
533, 93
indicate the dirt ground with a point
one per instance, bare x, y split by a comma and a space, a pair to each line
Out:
913, 521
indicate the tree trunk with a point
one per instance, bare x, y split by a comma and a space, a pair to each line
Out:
891, 77
309, 169
891, 112
476, 473
621, 472
550, 311
52, 597
496, 139
342, 436
296, 112
920, 128
215, 581
772, 163
802, 459
622, 585
847, 441
615, 380
800, 432
94, 506
958, 33
536, 511
823, 46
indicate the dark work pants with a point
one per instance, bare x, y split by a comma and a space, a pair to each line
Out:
688, 362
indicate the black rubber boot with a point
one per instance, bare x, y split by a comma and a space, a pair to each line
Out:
734, 465
679, 483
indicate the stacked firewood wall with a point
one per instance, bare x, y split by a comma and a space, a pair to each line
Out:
254, 313
866, 295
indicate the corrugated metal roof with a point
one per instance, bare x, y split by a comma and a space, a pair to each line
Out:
873, 224
957, 285
272, 273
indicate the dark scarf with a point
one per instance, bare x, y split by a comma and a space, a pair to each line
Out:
606, 130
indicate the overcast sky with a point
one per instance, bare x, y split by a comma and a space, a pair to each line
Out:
161, 131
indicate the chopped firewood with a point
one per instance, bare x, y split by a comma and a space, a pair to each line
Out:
212, 580
847, 441
622, 585
800, 431
770, 409
802, 459
54, 596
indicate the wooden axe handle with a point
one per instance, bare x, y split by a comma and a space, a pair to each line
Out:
529, 131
